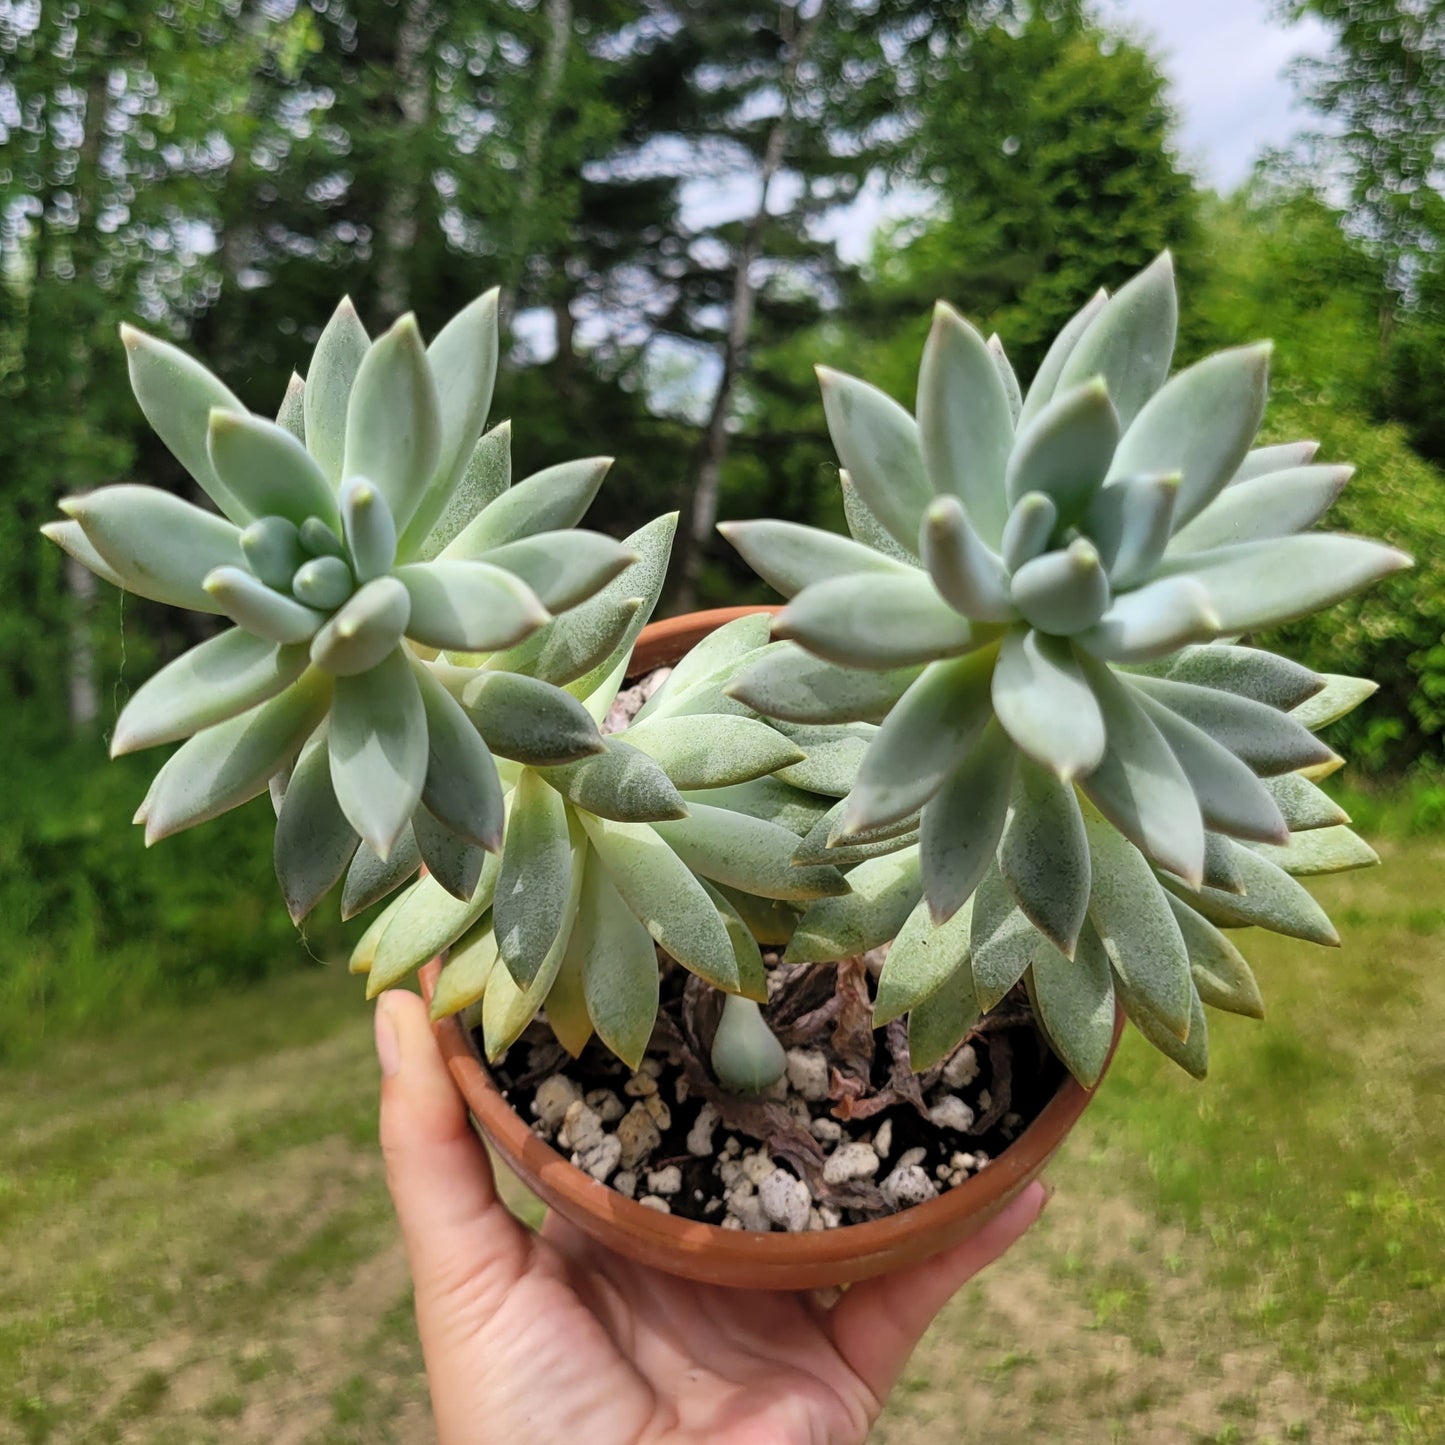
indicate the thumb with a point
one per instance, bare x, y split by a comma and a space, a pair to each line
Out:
463, 1246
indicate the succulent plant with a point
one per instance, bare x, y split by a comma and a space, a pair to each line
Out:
368, 528
1040, 609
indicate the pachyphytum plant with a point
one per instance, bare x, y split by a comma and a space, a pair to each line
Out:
1041, 609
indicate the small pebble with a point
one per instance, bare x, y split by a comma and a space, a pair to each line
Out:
962, 1069
680, 1090
985, 1101
638, 1136
606, 1105
883, 1139
850, 1161
832, 1216
828, 1130
757, 1166
749, 1209
777, 1091
625, 1182
808, 1073
729, 1171
667, 1180
699, 1137
652, 1066
553, 1096
600, 1157
651, 1201
815, 1220
731, 1221
581, 1128
661, 1114
951, 1113
639, 1086
732, 1148
908, 1185
912, 1156
785, 1200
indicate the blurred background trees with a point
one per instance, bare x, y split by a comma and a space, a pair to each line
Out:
676, 197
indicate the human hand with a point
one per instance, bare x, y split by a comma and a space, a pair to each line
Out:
552, 1338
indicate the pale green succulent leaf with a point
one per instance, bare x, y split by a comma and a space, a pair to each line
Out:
1045, 703
1339, 695
551, 500
1282, 457
524, 718
1276, 505
1046, 380
291, 415
1320, 851
1303, 805
426, 920
752, 974
469, 606
70, 537
884, 892
864, 527
566, 1003
969, 577
1062, 592
795, 686
266, 469
1271, 899
265, 613
711, 751
366, 946
528, 911
816, 849
462, 789
746, 1056
1248, 671
369, 528
1153, 622
622, 783
1043, 855
1007, 376
771, 800
1223, 978
487, 475
454, 862
1191, 1053
1002, 942
1065, 451
366, 629
371, 878
789, 556
1130, 521
1076, 1005
1221, 864
938, 1024
329, 379
463, 979
321, 582
1030, 525
923, 958
562, 568
747, 853
717, 655
832, 756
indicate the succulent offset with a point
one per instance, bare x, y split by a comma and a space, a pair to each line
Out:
1041, 607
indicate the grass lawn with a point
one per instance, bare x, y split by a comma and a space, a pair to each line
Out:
195, 1241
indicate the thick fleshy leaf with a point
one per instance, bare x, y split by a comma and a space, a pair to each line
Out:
1268, 740
1221, 864
1002, 941
488, 474
747, 853
1280, 458
1191, 1054
318, 540
291, 415
864, 527
884, 623
525, 719
529, 909
884, 892
717, 655
711, 751
455, 863
469, 606
159, 546
878, 445
215, 680
565, 1004
1043, 855
746, 1055
426, 920
177, 396
462, 789
968, 576
1222, 977
1339, 695
552, 500
393, 426
1130, 342
1153, 622
249, 603
463, 363
769, 921
621, 782
1272, 900
752, 974
816, 847
1259, 584
322, 582
1276, 505
1030, 525
789, 556
370, 878
772, 801
1320, 851
266, 469
71, 539
1006, 375
1303, 805
562, 568
923, 958
365, 630
230, 763
1045, 703
959, 831
1130, 522
463, 979
920, 743
1135, 921
273, 551
1046, 380
832, 756
1076, 1005
1248, 671
314, 842
1065, 451
1231, 798
369, 528
378, 741
366, 945
329, 379
965, 421
1062, 592
659, 888
1139, 785
797, 687
940, 1023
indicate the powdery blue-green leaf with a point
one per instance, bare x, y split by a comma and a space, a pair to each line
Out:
1271, 899
938, 1024
266, 469
378, 742
1339, 695
1006, 375
884, 623
1046, 380
1303, 805
249, 603
959, 831
371, 878
230, 763
463, 979
71, 539
1191, 1054
1002, 942
1153, 622
789, 556
771, 800
1129, 342
795, 686
321, 582
659, 888
562, 568
216, 679
1134, 920
549, 501
528, 911
816, 848
920, 743
965, 421
366, 945
969, 577
752, 974
1248, 671
454, 862
566, 1004
1139, 785
1076, 1005
1279, 458
1276, 505
462, 360
487, 475
291, 415
717, 655
177, 396
462, 789
318, 540
159, 546
1130, 522
1046, 705
1065, 451
923, 958
1320, 851
713, 751
864, 527
393, 425
366, 629
832, 756
469, 606
1221, 864
884, 892
746, 1055
525, 719
1221, 976
314, 842
747, 853
369, 528
1043, 855
1030, 525
878, 445
334, 364
1062, 592
622, 782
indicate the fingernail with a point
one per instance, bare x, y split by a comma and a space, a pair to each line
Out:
388, 1046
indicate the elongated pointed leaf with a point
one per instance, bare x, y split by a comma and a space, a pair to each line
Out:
71, 539
878, 445
1221, 976
938, 1024
469, 606
771, 800
215, 680
1248, 671
1221, 864
884, 892
329, 379
487, 475
322, 583
273, 551
920, 743
177, 396
1046, 705
1002, 942
266, 469
671, 904
1153, 622
733, 906
1065, 451
314, 843
427, 919
1339, 695
1006, 375
815, 849
1028, 530
566, 1005
797, 687
1276, 505
864, 527
789, 557
549, 501
462, 789
1130, 522
1043, 855
713, 751
562, 568
1320, 851
525, 719
1272, 900
291, 415
747, 853
370, 877
1303, 805
454, 862
1279, 458
365, 630
532, 887
159, 546
378, 741
366, 946
1046, 380
832, 756
968, 576
719, 654
923, 958
263, 612
1076, 1005
965, 421
463, 979
1191, 1054
621, 782
230, 763
1062, 592
369, 528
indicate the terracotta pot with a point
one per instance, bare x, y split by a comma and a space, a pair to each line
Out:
734, 1257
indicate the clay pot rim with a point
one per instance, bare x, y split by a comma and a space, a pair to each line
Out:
539, 1164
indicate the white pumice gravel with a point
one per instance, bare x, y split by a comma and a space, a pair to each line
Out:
757, 1166
625, 1182
829, 1131
906, 1185
908, 1157
661, 1114
599, 1158
883, 1139
962, 1069
637, 1136
850, 1161
639, 1086
951, 1113
606, 1105
785, 1200
699, 1137
651, 1201
549, 1104
808, 1073
664, 1181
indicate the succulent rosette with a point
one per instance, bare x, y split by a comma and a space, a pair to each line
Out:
371, 526
1037, 619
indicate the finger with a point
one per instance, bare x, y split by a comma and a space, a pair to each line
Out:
877, 1323
456, 1230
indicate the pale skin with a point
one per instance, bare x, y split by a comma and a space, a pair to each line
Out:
552, 1338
